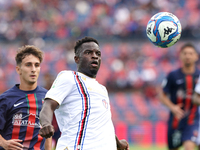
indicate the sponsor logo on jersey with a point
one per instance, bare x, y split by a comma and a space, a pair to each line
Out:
84, 78
19, 120
182, 94
97, 89
105, 104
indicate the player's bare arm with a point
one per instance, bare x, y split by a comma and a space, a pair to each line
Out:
48, 144
175, 109
46, 116
122, 144
13, 144
196, 98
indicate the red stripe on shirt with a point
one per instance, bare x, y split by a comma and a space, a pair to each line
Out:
84, 114
16, 127
31, 120
192, 115
175, 121
37, 145
189, 90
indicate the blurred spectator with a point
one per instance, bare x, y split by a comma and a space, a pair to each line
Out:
26, 19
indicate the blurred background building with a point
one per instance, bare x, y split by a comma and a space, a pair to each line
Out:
132, 68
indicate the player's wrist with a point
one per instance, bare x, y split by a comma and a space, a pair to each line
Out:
46, 124
3, 143
173, 108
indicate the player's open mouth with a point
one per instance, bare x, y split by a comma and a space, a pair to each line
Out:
94, 64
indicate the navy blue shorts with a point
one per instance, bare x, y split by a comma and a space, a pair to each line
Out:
177, 136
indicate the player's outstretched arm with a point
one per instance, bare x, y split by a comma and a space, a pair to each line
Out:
46, 116
122, 144
13, 144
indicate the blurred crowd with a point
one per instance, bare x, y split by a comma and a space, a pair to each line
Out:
33, 21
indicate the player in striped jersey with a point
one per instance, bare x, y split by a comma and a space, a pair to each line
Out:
177, 94
81, 105
20, 106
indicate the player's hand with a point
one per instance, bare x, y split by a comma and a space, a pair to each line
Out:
177, 111
196, 98
122, 145
47, 131
13, 144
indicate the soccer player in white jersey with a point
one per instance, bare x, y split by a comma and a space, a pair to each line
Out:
81, 105
196, 100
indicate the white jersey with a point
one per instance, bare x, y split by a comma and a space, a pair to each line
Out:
197, 90
197, 86
84, 115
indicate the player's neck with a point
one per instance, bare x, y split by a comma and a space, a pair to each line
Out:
188, 70
26, 87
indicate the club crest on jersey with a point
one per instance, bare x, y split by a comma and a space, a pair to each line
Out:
105, 103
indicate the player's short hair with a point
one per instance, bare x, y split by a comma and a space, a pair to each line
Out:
28, 50
81, 41
188, 45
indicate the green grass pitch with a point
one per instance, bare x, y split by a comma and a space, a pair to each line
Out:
139, 147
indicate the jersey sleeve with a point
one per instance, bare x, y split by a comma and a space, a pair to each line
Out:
3, 110
166, 84
197, 87
61, 87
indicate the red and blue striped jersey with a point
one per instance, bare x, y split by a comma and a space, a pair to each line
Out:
19, 116
180, 88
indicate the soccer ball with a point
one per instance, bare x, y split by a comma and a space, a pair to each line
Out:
164, 29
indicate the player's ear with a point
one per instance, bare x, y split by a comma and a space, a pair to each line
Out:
18, 69
76, 58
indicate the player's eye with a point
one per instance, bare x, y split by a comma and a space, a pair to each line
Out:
99, 53
87, 52
37, 65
